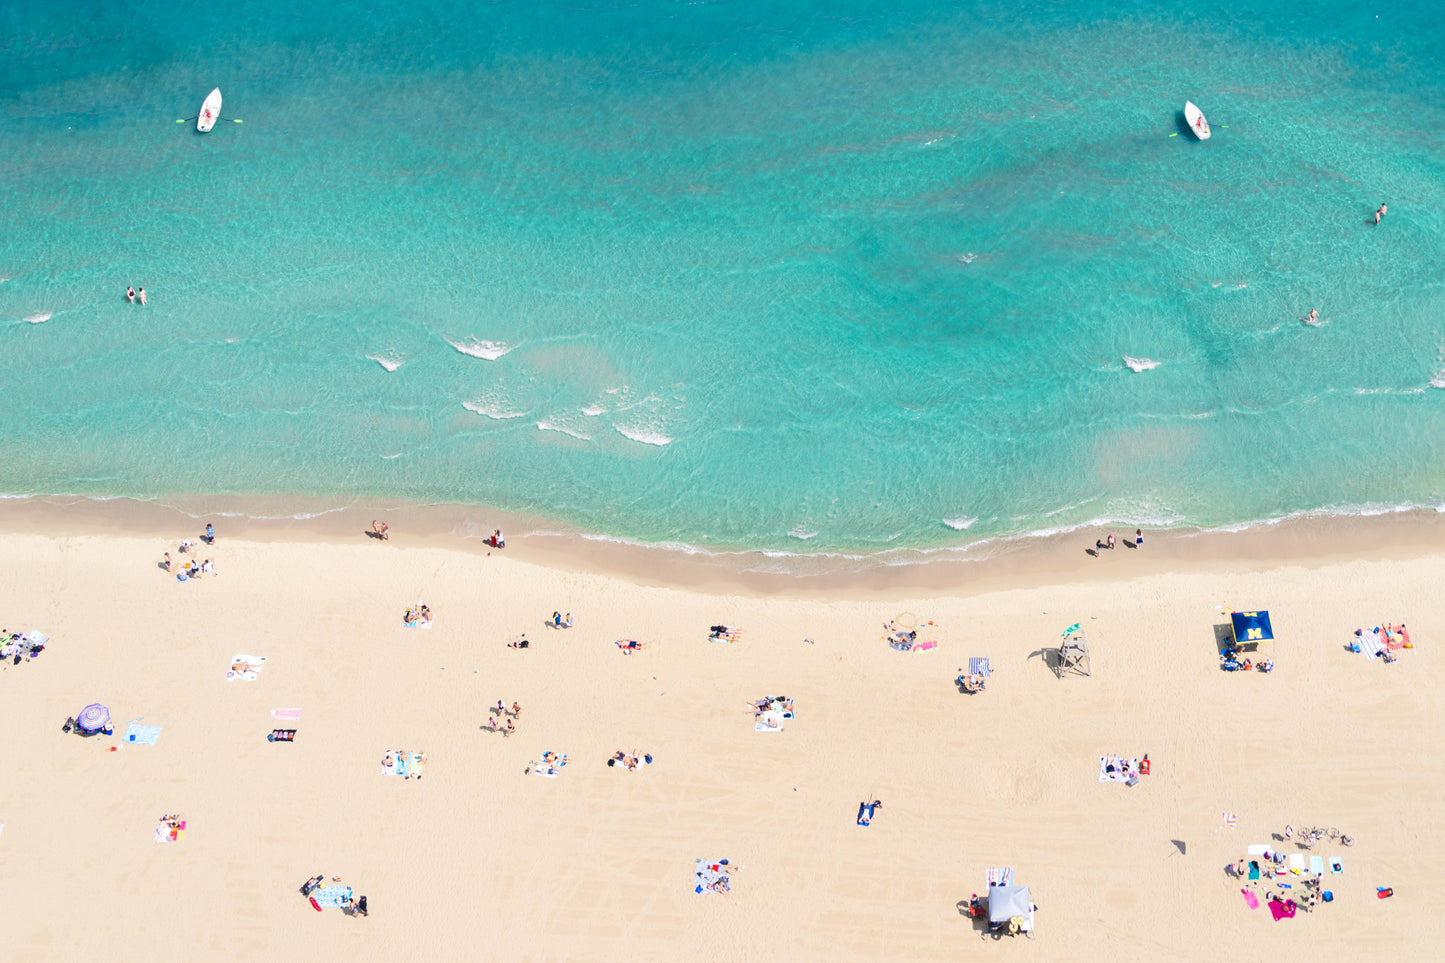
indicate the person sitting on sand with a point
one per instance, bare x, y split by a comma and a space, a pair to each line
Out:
519, 644
380, 529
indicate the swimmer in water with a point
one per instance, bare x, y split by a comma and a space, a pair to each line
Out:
130, 294
1380, 213
142, 295
1313, 315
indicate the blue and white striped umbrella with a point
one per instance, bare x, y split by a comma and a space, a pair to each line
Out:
93, 717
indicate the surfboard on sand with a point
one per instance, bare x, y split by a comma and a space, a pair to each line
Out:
1193, 116
210, 111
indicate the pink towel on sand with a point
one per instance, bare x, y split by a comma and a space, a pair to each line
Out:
1250, 899
930, 644
1281, 910
286, 713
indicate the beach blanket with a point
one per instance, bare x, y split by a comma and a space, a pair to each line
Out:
1254, 869
1250, 899
1258, 849
1335, 865
142, 735
1317, 865
1280, 910
770, 721
291, 714
979, 666
1297, 863
166, 833
334, 896
1396, 637
1372, 643
245, 667
1124, 769
549, 770
926, 645
712, 876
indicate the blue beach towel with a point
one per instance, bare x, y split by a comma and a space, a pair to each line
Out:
335, 896
142, 735
979, 666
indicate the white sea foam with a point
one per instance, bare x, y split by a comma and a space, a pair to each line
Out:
643, 436
40, 317
1140, 364
592, 411
800, 532
390, 361
960, 524
1439, 380
477, 348
492, 409
967, 258
549, 426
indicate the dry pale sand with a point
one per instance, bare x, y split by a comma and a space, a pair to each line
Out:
479, 861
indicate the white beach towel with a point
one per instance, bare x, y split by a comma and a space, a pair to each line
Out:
770, 721
250, 665
546, 772
1123, 768
1297, 863
1372, 644
1258, 849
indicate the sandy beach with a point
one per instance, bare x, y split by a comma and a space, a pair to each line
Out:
479, 859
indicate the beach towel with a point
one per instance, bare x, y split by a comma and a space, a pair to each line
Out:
166, 833
1396, 637
712, 876
1124, 769
925, 646
335, 896
1253, 869
142, 735
999, 875
245, 667
1281, 911
1371, 643
1250, 899
770, 721
289, 714
1258, 849
979, 666
1335, 865
1317, 865
549, 770
1297, 863
36, 637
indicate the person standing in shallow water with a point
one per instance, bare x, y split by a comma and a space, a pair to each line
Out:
1380, 213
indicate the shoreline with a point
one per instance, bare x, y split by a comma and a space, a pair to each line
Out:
1312, 539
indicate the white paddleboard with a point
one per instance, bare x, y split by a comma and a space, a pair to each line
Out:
211, 111
1192, 116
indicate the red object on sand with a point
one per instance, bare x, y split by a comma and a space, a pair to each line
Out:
1144, 765
315, 905
1384, 893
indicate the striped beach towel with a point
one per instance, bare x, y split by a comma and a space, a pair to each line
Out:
979, 666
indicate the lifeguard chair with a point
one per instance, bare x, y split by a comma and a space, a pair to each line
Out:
1073, 655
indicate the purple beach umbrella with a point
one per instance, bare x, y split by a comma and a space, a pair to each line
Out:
93, 717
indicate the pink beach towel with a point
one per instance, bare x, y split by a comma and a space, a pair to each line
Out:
286, 713
1281, 910
1250, 899
930, 644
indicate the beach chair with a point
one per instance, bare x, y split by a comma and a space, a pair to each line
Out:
282, 735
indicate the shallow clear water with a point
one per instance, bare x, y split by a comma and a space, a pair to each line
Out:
833, 278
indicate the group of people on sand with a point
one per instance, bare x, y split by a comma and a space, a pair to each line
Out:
352, 907
629, 760
192, 568
133, 296
494, 722
1103, 544
418, 616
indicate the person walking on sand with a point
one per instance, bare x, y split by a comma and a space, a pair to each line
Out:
1138, 538
516, 711
1380, 213
1111, 539
492, 723
511, 728
168, 561
141, 295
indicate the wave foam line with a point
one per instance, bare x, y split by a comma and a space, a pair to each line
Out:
643, 436
388, 361
1140, 364
477, 348
493, 411
40, 317
548, 426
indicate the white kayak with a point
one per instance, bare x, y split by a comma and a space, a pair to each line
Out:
1193, 116
211, 111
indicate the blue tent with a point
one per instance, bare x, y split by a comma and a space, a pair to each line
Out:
1251, 628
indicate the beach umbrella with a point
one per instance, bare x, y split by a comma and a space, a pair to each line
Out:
93, 717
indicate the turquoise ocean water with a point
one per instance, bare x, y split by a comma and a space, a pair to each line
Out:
814, 277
